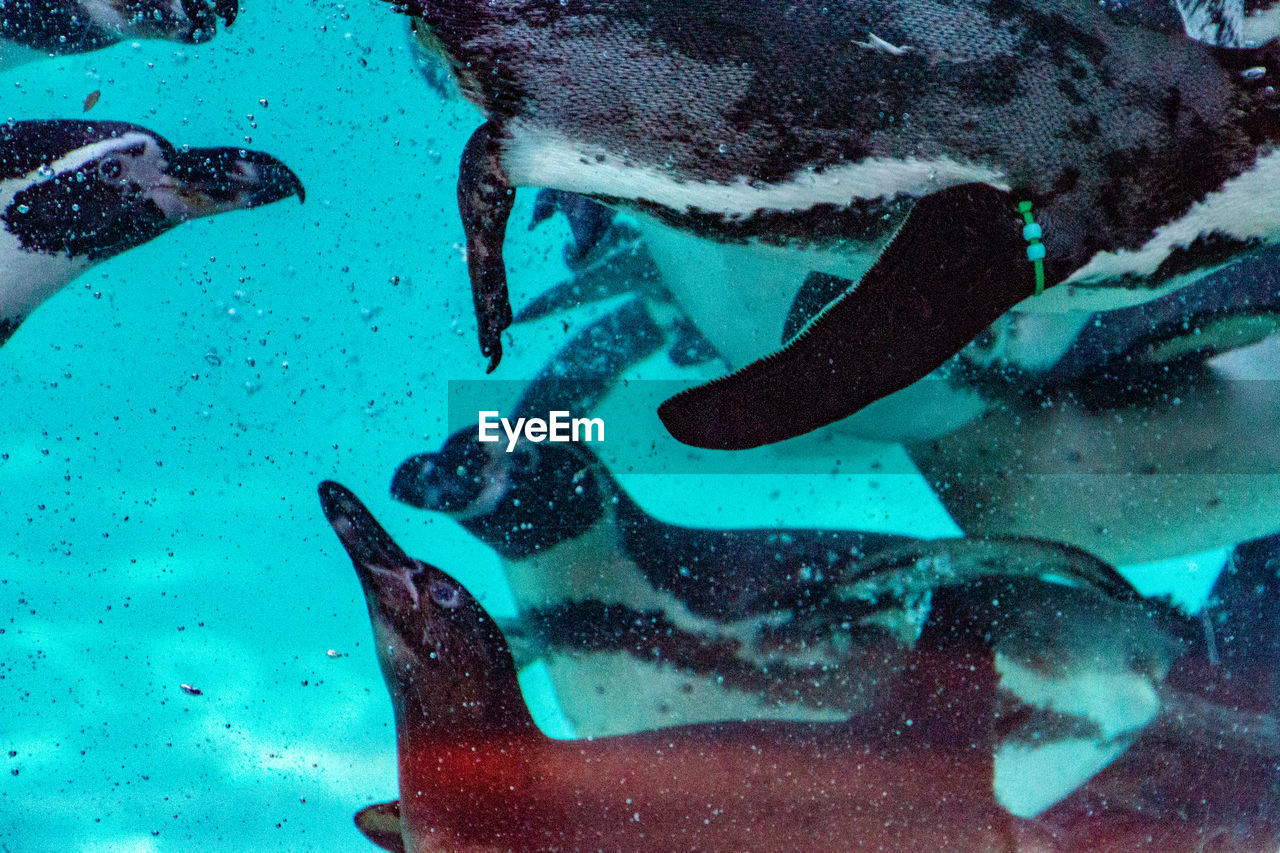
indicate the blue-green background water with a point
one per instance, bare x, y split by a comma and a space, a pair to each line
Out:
169, 415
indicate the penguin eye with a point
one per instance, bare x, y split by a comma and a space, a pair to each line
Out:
524, 458
111, 169
445, 594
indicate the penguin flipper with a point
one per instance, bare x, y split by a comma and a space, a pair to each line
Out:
380, 823
587, 368
957, 263
622, 265
9, 325
485, 198
589, 221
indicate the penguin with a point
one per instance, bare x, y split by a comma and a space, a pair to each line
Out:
1128, 355
949, 173
477, 773
74, 193
32, 29
608, 259
1217, 770
1110, 359
1134, 461
720, 618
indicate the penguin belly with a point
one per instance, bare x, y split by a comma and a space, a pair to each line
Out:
594, 567
744, 315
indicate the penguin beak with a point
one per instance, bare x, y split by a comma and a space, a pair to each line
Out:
205, 181
366, 542
386, 572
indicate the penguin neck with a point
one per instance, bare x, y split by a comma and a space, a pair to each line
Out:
477, 699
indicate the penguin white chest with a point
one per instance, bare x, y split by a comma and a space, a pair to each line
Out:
740, 294
29, 278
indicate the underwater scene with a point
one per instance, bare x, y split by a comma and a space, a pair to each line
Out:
648, 425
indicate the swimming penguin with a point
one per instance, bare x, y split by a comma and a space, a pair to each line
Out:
602, 543
1134, 461
73, 193
720, 618
948, 172
476, 773
589, 221
1217, 770
1128, 355
1103, 359
32, 29
608, 259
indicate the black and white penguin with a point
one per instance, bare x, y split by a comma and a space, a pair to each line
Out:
1102, 359
806, 623
506, 499
1135, 460
589, 222
1211, 759
34, 29
73, 193
606, 591
950, 172
1048, 666
609, 259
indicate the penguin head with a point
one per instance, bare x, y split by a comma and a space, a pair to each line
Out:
519, 502
444, 659
77, 26
90, 190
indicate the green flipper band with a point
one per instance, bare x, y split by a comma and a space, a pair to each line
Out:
1035, 249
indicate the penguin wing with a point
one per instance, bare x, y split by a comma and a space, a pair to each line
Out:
380, 823
485, 199
587, 368
958, 263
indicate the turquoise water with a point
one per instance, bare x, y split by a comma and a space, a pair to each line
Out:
171, 412
159, 490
